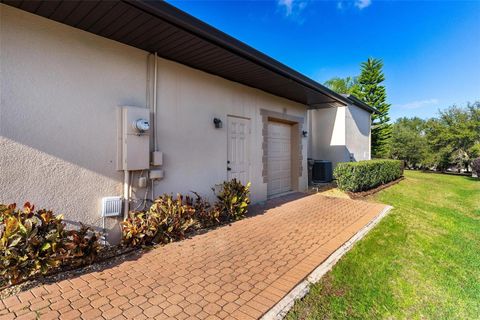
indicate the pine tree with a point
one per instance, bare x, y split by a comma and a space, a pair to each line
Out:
371, 91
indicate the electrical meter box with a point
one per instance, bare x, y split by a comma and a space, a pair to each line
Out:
133, 138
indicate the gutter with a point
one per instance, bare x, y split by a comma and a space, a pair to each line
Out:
182, 20
359, 103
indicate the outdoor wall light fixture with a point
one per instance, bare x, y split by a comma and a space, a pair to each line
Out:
218, 123
304, 133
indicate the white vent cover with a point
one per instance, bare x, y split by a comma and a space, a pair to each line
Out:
111, 206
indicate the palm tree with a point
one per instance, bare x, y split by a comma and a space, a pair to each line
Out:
343, 85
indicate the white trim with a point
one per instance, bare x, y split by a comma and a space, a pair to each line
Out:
280, 310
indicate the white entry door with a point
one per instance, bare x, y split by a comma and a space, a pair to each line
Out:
279, 158
238, 149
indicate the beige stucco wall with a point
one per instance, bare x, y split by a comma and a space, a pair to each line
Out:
195, 152
335, 133
60, 90
358, 132
328, 135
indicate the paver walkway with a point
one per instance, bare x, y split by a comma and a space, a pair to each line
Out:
236, 272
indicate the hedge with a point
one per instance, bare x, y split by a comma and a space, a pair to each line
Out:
368, 174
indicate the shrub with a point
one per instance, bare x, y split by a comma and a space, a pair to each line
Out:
365, 175
81, 246
35, 242
176, 217
167, 220
476, 166
205, 215
233, 200
139, 228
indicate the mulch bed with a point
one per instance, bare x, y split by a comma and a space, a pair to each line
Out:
363, 194
107, 256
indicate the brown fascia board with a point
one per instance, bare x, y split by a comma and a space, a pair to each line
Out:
187, 22
359, 103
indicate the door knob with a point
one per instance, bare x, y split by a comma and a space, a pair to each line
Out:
228, 168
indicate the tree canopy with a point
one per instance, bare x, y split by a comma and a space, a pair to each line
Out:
409, 142
343, 85
450, 140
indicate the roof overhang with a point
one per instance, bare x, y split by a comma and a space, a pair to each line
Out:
156, 26
359, 103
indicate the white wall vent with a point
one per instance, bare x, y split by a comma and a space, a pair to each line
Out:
112, 206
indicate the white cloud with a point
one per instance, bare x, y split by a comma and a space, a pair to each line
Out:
419, 104
362, 4
288, 5
292, 8
356, 4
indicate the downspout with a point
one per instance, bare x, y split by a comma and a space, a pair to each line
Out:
126, 173
154, 122
155, 143
126, 193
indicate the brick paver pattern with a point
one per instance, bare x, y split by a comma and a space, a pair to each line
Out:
238, 271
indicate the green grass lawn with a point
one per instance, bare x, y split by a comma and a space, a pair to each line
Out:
421, 261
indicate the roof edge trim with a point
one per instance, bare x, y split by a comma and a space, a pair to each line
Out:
359, 103
189, 23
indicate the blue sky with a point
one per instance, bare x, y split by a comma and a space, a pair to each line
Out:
431, 49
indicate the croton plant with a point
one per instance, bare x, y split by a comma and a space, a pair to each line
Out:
34, 242
170, 219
